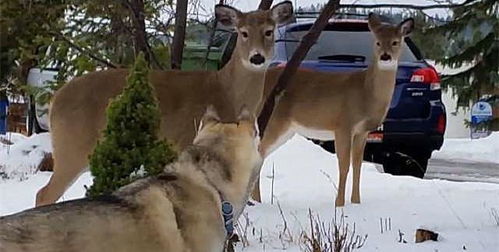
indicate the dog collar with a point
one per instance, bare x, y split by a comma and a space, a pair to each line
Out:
228, 215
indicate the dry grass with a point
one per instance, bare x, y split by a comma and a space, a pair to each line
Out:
333, 236
495, 215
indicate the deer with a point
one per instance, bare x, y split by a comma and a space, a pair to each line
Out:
343, 107
77, 112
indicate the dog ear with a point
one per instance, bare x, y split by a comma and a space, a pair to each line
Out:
210, 115
245, 115
282, 13
227, 15
373, 21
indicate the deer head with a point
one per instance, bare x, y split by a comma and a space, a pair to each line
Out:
255, 41
388, 41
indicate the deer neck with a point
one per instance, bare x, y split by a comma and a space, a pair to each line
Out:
243, 86
380, 83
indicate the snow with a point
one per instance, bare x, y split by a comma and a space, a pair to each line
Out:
18, 195
304, 177
21, 159
477, 150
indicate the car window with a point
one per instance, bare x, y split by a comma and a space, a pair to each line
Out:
358, 43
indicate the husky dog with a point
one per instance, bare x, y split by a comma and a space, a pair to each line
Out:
187, 208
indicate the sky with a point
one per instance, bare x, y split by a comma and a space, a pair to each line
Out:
247, 5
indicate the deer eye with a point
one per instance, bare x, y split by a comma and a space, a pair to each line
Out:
395, 43
245, 34
269, 33
378, 44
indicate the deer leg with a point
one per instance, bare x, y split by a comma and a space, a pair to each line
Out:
276, 134
358, 146
69, 163
343, 143
255, 194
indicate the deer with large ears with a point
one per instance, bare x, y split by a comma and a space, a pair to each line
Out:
340, 106
77, 114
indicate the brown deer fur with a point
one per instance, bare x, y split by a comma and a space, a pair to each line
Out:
340, 106
77, 114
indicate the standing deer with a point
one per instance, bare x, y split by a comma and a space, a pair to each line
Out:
77, 114
340, 106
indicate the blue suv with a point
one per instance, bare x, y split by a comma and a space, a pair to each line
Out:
416, 121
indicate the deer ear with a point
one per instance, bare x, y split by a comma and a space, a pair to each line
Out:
373, 21
282, 13
245, 115
210, 115
406, 27
227, 15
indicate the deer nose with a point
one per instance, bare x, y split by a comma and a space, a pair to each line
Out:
257, 59
385, 57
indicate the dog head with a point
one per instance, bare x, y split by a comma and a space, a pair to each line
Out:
237, 140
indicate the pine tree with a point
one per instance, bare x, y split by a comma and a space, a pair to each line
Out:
130, 148
473, 41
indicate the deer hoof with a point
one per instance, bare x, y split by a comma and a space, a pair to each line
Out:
339, 202
355, 200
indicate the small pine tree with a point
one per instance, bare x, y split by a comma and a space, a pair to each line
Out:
130, 148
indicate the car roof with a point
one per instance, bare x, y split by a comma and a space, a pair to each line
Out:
333, 25
356, 22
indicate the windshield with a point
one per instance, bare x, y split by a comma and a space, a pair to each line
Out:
332, 43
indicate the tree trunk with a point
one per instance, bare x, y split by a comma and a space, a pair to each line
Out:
139, 32
307, 41
179, 36
140, 41
212, 35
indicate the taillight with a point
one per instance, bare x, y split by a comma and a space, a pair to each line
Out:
427, 75
441, 124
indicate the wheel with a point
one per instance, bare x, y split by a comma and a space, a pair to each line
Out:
31, 121
412, 164
419, 169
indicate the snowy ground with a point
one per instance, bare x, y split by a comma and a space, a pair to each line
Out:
482, 150
304, 178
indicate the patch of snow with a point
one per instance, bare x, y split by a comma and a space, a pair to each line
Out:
479, 150
9, 139
305, 177
20, 160
18, 195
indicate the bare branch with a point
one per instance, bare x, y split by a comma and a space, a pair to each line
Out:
85, 51
265, 4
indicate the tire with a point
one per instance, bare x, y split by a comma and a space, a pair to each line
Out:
33, 127
412, 164
326, 145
